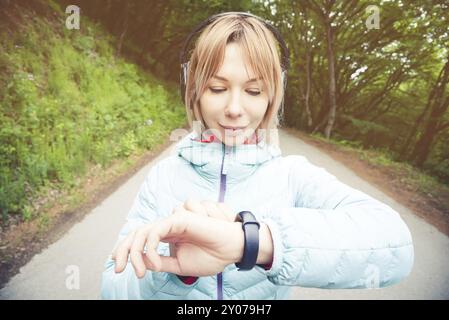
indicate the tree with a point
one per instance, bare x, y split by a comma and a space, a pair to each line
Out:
437, 106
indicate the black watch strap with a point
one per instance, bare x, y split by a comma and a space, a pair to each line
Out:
251, 249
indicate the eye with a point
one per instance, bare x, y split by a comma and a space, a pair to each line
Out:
253, 92
216, 90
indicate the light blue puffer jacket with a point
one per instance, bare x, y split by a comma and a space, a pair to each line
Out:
325, 233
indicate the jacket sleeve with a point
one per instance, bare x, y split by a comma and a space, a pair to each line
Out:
155, 285
336, 236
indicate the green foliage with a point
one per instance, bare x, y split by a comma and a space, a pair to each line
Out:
66, 102
383, 77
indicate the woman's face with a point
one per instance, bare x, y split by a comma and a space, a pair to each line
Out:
234, 103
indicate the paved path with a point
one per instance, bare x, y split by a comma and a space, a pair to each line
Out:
87, 244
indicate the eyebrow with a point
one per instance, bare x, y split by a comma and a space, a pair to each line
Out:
226, 80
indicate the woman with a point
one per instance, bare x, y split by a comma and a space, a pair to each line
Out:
183, 236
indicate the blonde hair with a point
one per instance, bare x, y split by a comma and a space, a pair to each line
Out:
259, 47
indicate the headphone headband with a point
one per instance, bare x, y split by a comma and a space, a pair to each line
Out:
285, 60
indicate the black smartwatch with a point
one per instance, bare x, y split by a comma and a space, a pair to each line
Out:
250, 228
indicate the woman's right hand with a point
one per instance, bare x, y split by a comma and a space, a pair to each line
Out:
213, 209
207, 208
204, 245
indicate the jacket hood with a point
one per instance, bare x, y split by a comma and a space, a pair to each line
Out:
238, 162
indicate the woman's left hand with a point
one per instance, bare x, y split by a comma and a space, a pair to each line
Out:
204, 245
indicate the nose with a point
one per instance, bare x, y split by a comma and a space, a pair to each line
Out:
234, 106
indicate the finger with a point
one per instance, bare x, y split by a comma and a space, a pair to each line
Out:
146, 261
121, 255
195, 206
171, 265
227, 211
137, 249
114, 251
213, 210
170, 227
168, 264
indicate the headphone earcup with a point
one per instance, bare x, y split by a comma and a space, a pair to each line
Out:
183, 79
284, 79
284, 86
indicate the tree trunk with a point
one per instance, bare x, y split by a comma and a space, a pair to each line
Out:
421, 150
413, 131
125, 29
308, 74
439, 105
332, 86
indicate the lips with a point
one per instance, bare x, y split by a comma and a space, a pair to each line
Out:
232, 131
233, 127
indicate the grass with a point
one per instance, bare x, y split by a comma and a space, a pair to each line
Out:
68, 104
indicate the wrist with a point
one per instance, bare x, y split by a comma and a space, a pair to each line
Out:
239, 237
266, 247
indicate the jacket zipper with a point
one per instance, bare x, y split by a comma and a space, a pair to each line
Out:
223, 173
